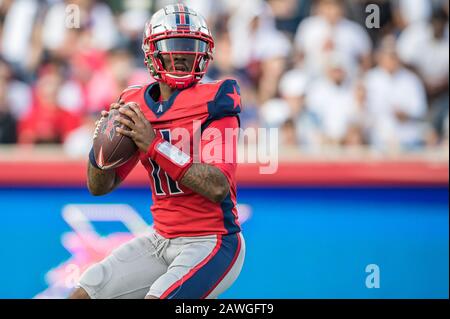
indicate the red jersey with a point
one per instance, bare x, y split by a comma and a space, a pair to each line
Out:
178, 211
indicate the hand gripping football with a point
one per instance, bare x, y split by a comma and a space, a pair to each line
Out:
112, 149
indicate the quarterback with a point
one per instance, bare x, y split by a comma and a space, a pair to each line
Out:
195, 249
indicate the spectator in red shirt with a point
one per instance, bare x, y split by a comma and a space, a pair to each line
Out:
46, 121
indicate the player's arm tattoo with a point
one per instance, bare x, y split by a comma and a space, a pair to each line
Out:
206, 180
100, 182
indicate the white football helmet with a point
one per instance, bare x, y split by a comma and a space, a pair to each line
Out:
172, 32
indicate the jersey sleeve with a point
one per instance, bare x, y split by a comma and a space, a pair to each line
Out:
226, 103
124, 170
219, 145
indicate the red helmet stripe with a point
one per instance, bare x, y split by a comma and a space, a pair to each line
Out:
182, 15
182, 18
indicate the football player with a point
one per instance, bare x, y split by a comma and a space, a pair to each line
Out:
196, 249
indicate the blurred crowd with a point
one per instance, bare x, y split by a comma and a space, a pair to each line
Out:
325, 72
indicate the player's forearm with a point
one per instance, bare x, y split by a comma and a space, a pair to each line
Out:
208, 181
101, 182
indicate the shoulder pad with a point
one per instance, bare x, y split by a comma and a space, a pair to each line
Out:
129, 91
227, 101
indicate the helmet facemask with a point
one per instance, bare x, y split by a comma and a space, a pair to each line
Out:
178, 61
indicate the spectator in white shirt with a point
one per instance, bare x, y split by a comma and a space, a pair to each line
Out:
329, 31
18, 93
332, 100
293, 87
254, 36
410, 12
17, 31
290, 115
94, 16
425, 48
396, 102
258, 47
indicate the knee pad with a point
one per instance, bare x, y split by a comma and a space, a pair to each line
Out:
96, 276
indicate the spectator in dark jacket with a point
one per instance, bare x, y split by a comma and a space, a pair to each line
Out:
8, 124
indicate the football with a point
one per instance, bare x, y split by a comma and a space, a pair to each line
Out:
112, 149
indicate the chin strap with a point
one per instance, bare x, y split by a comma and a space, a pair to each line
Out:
172, 82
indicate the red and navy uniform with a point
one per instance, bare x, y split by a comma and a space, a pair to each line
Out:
178, 211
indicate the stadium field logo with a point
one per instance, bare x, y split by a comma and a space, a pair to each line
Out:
88, 246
